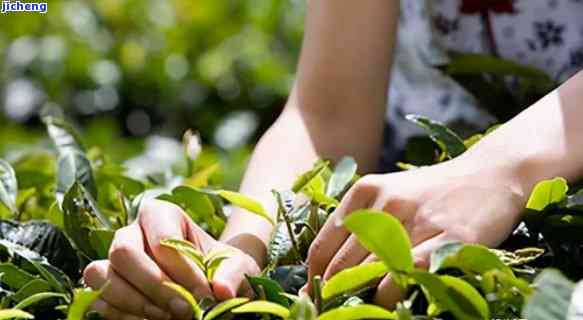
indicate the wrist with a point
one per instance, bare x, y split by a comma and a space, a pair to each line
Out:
515, 176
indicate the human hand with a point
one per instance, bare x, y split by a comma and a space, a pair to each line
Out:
139, 265
450, 201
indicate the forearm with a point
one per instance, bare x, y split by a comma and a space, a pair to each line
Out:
289, 148
544, 141
335, 109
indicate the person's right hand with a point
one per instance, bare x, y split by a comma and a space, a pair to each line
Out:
139, 265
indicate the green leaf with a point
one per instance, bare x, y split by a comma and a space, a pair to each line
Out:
201, 178
44, 239
198, 313
374, 229
100, 240
263, 307
187, 249
547, 192
224, 307
198, 205
471, 141
63, 135
305, 179
31, 288
462, 293
551, 299
82, 299
303, 309
470, 63
470, 258
246, 203
213, 261
273, 291
575, 201
447, 140
13, 276
353, 278
55, 284
8, 186
362, 311
127, 186
343, 174
14, 314
75, 167
77, 214
36, 298
452, 294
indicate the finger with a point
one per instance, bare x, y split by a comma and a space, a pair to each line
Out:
130, 261
120, 294
388, 293
111, 313
350, 254
333, 234
173, 226
230, 277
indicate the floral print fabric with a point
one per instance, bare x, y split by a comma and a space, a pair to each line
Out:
546, 34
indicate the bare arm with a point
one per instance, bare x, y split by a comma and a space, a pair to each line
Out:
336, 107
544, 141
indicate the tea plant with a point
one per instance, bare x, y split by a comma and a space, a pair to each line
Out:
60, 211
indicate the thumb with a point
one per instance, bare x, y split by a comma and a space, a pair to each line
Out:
230, 281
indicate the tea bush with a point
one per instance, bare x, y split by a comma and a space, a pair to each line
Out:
61, 209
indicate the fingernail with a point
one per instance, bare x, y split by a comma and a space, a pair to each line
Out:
180, 308
155, 313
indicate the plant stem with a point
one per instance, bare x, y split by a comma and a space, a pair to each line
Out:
317, 292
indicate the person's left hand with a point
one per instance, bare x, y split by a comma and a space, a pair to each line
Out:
446, 202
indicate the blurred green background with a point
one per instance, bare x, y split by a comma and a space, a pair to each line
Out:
124, 70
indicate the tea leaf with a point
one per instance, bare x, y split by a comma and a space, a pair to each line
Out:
38, 298
453, 294
575, 201
469, 63
14, 314
100, 240
127, 186
75, 167
551, 299
305, 179
8, 186
198, 313
31, 288
374, 229
82, 299
187, 249
225, 307
198, 204
263, 307
466, 296
341, 177
77, 213
469, 258
13, 276
447, 140
201, 178
272, 289
63, 135
213, 261
546, 193
246, 203
362, 311
353, 278
303, 309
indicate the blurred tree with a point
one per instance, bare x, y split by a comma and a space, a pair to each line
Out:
223, 67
